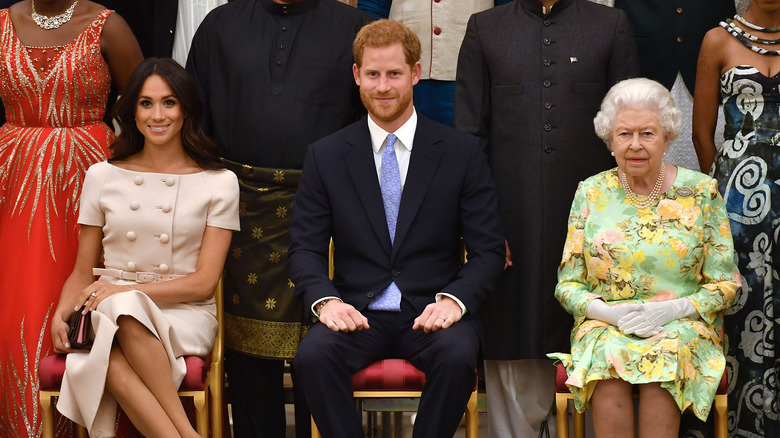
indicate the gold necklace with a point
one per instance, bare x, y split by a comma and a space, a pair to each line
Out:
649, 199
45, 22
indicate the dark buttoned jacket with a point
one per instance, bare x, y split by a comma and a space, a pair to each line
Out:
529, 85
668, 34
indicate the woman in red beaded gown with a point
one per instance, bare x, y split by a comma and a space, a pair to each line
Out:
57, 61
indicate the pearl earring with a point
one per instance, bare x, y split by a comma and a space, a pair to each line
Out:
612, 153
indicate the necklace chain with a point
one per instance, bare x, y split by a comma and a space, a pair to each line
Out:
649, 199
53, 22
749, 35
745, 42
742, 20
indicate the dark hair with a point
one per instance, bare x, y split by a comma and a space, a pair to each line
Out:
197, 145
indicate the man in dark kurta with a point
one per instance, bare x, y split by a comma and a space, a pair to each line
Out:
531, 77
275, 76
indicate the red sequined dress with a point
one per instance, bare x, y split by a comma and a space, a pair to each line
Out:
54, 98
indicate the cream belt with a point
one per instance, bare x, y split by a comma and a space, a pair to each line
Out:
138, 277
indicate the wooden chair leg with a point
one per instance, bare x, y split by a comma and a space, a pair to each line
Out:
721, 416
562, 414
47, 416
398, 425
201, 414
472, 417
315, 433
579, 423
216, 390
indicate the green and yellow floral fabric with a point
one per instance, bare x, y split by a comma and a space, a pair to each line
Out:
680, 248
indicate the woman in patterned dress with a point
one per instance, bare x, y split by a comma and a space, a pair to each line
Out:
57, 62
739, 67
647, 271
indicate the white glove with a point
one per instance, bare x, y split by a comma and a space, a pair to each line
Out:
598, 309
653, 316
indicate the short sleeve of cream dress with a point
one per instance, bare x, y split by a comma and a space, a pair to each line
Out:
151, 223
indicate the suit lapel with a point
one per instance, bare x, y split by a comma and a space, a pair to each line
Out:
426, 154
362, 169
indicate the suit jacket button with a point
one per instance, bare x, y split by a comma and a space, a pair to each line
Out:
395, 273
370, 295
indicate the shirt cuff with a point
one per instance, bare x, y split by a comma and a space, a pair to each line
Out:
314, 305
460, 303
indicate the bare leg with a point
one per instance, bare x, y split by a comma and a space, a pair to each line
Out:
659, 415
148, 359
138, 403
613, 409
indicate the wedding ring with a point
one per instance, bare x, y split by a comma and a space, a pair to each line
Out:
94, 295
441, 317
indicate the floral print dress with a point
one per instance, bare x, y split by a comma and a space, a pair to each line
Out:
680, 249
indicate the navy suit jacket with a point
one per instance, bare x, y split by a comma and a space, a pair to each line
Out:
448, 194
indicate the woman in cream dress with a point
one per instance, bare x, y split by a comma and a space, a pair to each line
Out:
161, 213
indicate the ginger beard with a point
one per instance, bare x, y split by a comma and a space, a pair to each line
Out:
386, 112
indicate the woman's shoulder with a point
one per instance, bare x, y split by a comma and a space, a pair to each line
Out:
696, 181
221, 180
604, 178
100, 168
222, 175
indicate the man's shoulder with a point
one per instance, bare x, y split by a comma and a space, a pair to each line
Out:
346, 135
592, 10
341, 16
497, 13
435, 131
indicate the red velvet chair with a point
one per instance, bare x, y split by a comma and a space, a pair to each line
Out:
563, 395
395, 379
203, 378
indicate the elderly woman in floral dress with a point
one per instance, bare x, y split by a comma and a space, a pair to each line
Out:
647, 270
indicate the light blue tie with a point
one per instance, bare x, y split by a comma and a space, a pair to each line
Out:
390, 182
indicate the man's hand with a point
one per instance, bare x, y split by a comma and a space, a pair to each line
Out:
439, 315
508, 260
340, 316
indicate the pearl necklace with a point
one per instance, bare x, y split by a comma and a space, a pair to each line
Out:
45, 22
649, 199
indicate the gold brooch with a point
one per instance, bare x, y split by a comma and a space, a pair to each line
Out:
684, 191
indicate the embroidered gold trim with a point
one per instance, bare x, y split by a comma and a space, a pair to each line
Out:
275, 340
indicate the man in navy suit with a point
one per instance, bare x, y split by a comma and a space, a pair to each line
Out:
396, 192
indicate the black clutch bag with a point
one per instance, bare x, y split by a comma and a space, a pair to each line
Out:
79, 328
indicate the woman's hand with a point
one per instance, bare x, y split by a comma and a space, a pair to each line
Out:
598, 309
649, 321
96, 292
59, 334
